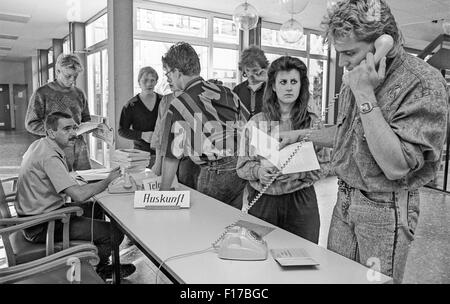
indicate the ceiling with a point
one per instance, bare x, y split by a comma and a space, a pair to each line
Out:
49, 19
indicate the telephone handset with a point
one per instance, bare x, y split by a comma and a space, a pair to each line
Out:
383, 45
240, 243
243, 244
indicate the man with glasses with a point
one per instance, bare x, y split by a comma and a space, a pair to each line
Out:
202, 123
253, 65
61, 95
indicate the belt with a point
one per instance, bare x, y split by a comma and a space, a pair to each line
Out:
210, 163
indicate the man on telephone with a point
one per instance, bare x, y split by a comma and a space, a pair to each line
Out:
387, 140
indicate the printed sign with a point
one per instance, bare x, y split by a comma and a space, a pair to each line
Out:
153, 183
162, 199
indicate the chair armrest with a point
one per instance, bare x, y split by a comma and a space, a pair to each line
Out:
9, 179
10, 196
62, 211
66, 253
21, 272
10, 228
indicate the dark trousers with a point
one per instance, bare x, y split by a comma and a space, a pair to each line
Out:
80, 229
296, 212
188, 172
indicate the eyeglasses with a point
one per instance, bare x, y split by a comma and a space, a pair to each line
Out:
167, 73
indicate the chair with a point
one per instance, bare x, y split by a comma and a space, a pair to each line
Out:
72, 265
18, 249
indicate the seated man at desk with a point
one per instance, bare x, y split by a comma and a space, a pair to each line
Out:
44, 182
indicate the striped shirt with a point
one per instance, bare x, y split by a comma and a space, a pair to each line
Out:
203, 123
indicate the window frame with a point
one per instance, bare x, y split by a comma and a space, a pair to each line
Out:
208, 41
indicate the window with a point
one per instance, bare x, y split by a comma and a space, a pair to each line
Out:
97, 73
224, 62
97, 30
271, 37
97, 77
312, 50
50, 65
162, 22
318, 45
214, 37
66, 45
141, 59
318, 86
225, 31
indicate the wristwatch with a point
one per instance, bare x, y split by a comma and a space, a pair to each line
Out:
366, 107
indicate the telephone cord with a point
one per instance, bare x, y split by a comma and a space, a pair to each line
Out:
178, 256
258, 196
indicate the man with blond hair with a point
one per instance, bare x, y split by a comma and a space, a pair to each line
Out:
61, 95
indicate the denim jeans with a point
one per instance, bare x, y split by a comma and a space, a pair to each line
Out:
80, 229
374, 228
220, 181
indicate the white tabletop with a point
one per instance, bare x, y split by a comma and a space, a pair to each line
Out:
166, 233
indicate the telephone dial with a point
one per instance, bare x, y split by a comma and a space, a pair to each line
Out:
240, 243
243, 244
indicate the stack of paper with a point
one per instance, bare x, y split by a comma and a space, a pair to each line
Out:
132, 159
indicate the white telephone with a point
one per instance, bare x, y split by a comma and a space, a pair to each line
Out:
243, 244
239, 243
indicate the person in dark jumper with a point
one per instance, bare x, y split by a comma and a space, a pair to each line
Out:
138, 117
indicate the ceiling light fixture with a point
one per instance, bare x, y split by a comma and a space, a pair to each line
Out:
446, 27
292, 31
294, 7
245, 16
14, 17
10, 37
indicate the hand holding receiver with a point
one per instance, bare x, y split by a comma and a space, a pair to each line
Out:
261, 76
383, 45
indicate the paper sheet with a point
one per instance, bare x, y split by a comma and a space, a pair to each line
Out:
94, 174
86, 127
266, 146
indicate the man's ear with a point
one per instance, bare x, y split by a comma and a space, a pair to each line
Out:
50, 133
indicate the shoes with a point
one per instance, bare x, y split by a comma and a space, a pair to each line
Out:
105, 271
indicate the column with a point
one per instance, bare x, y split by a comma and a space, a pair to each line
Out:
120, 62
77, 31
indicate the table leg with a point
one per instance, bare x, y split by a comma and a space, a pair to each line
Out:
115, 258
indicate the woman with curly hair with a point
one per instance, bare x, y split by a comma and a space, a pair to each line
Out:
290, 202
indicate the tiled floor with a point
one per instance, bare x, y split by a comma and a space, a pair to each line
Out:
428, 261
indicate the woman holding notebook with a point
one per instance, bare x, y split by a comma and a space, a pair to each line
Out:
290, 202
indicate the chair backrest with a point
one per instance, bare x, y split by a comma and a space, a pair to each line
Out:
4, 206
